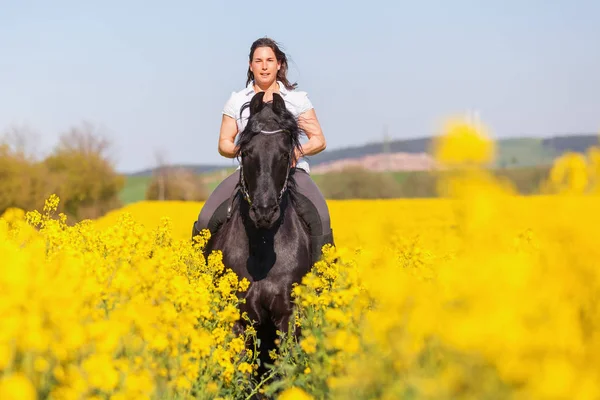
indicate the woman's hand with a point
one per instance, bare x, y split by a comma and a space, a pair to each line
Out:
297, 155
309, 123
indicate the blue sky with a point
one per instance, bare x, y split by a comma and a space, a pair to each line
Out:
155, 75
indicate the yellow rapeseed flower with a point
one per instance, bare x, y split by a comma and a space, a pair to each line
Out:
463, 143
17, 387
294, 393
245, 368
309, 344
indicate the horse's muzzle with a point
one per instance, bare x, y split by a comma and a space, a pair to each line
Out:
264, 217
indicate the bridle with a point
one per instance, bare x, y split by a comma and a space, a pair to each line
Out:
242, 183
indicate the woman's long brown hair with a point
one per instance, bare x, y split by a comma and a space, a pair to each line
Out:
281, 57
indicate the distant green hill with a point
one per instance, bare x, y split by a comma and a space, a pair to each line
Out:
517, 152
198, 168
135, 188
523, 152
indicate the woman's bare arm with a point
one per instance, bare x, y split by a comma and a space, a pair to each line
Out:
309, 123
229, 131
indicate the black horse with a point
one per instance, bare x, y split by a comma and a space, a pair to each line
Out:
264, 239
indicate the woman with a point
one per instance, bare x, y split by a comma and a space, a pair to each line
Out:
267, 72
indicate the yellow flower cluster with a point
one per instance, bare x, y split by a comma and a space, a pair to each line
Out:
119, 313
575, 173
463, 144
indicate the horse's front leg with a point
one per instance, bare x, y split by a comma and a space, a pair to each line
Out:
282, 312
251, 316
239, 328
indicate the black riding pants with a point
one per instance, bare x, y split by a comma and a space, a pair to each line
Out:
311, 204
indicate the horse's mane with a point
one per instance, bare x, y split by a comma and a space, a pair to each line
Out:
288, 124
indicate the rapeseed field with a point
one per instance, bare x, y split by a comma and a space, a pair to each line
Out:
479, 294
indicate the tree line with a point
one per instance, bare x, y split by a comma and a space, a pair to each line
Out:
359, 183
81, 171
78, 169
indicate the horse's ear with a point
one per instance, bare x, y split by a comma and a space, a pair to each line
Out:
278, 103
256, 104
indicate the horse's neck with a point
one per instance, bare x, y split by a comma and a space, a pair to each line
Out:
253, 253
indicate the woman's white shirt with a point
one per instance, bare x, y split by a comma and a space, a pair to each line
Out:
297, 102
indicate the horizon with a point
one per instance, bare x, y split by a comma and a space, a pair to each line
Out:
155, 77
503, 139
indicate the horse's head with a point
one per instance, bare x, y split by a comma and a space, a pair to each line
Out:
266, 148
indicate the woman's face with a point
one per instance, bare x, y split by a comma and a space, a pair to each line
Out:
264, 66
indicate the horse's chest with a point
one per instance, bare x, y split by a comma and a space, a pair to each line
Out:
276, 260
282, 256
